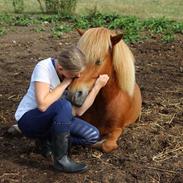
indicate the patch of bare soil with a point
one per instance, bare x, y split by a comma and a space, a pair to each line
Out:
151, 150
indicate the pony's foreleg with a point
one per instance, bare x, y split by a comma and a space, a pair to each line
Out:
110, 142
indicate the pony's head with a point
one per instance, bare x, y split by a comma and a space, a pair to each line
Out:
105, 53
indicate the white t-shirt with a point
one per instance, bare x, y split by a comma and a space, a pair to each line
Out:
45, 72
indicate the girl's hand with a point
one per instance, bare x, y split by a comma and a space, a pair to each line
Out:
67, 81
102, 80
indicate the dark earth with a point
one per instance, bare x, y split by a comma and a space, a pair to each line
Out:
150, 150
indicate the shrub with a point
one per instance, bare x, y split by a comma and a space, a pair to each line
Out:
18, 6
64, 7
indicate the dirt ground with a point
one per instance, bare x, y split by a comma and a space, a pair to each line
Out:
150, 151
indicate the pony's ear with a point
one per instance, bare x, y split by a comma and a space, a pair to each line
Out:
116, 39
80, 31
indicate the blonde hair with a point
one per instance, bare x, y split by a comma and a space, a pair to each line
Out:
95, 43
72, 59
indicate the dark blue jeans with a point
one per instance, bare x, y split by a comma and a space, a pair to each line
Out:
57, 119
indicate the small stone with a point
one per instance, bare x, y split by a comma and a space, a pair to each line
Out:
181, 69
22, 156
45, 22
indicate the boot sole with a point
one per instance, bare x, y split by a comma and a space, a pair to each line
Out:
65, 171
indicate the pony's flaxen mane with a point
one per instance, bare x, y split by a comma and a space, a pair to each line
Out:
95, 43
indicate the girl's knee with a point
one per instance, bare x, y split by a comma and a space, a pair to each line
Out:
63, 105
66, 104
63, 111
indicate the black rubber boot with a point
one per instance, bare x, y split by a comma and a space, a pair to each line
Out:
62, 162
45, 148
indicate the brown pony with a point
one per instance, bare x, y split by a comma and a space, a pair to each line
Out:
118, 104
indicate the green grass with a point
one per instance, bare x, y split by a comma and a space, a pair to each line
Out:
171, 9
133, 28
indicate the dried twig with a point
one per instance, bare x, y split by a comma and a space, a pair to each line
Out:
12, 96
166, 155
162, 170
173, 116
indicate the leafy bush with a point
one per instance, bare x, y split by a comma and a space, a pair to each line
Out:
6, 19
22, 20
157, 25
64, 7
82, 23
18, 6
58, 30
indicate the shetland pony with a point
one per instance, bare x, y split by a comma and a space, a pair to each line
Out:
118, 104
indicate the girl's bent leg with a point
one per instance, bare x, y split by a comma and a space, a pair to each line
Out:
56, 119
83, 133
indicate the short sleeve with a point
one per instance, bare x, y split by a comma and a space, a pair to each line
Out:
41, 73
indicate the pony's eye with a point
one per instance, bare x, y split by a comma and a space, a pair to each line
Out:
98, 62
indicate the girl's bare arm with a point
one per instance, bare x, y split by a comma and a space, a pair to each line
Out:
100, 82
44, 97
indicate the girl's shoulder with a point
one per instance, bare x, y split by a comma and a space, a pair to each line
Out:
45, 62
41, 70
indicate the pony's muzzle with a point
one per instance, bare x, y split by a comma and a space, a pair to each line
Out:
77, 98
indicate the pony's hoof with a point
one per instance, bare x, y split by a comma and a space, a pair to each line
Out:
98, 145
109, 146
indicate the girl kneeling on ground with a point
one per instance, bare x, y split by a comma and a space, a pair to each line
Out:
45, 114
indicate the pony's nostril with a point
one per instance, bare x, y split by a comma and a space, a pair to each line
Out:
79, 94
79, 97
